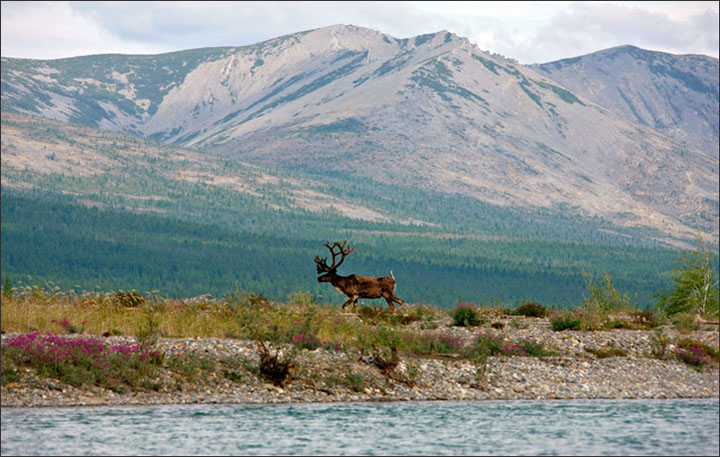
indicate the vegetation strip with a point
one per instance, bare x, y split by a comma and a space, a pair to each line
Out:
148, 347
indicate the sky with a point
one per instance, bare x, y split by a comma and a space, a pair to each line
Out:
530, 32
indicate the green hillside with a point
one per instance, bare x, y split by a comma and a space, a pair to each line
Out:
88, 208
51, 238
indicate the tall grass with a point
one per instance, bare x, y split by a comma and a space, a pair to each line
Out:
57, 334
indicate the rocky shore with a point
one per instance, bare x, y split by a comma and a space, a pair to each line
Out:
574, 371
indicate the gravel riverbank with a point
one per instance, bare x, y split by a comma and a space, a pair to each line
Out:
329, 376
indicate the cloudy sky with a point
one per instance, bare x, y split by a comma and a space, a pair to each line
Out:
531, 32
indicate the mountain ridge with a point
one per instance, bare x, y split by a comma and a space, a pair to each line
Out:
432, 112
636, 95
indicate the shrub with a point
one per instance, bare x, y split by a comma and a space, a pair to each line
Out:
565, 322
7, 291
658, 344
645, 319
443, 343
533, 348
386, 359
377, 314
695, 353
130, 299
381, 336
275, 366
605, 299
301, 298
354, 381
530, 309
696, 289
685, 322
465, 315
510, 349
189, 364
487, 344
429, 343
619, 323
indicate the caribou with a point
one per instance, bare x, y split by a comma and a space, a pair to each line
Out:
355, 286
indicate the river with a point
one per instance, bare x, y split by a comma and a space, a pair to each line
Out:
588, 427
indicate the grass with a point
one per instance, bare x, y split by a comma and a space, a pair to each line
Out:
59, 336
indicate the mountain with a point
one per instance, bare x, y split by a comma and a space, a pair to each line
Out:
676, 95
431, 113
84, 208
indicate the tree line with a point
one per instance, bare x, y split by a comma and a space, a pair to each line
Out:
52, 238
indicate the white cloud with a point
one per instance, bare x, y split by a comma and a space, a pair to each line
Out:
47, 30
534, 32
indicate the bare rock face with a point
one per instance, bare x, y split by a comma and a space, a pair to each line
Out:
430, 112
676, 95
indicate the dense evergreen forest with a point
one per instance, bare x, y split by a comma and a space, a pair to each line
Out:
112, 211
51, 237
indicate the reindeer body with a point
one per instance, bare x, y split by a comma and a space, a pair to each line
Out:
356, 286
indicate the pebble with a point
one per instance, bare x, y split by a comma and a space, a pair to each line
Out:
572, 373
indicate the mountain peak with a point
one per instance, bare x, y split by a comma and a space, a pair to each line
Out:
432, 111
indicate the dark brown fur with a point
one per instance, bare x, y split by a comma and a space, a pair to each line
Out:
355, 286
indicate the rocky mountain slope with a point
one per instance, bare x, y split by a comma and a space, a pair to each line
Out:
431, 112
675, 94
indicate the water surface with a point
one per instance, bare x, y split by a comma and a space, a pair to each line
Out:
584, 427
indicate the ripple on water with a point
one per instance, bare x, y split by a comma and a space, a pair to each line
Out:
597, 427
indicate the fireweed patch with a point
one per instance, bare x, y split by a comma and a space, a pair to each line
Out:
569, 321
695, 354
88, 361
495, 345
310, 341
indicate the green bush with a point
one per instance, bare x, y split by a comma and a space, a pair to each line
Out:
465, 315
605, 299
534, 348
696, 289
561, 322
486, 344
530, 309
685, 322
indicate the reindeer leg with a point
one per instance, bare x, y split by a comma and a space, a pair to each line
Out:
393, 298
348, 301
352, 300
390, 303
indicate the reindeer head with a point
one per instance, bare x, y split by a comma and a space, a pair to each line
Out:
329, 272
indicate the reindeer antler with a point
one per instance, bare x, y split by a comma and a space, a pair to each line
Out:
344, 250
